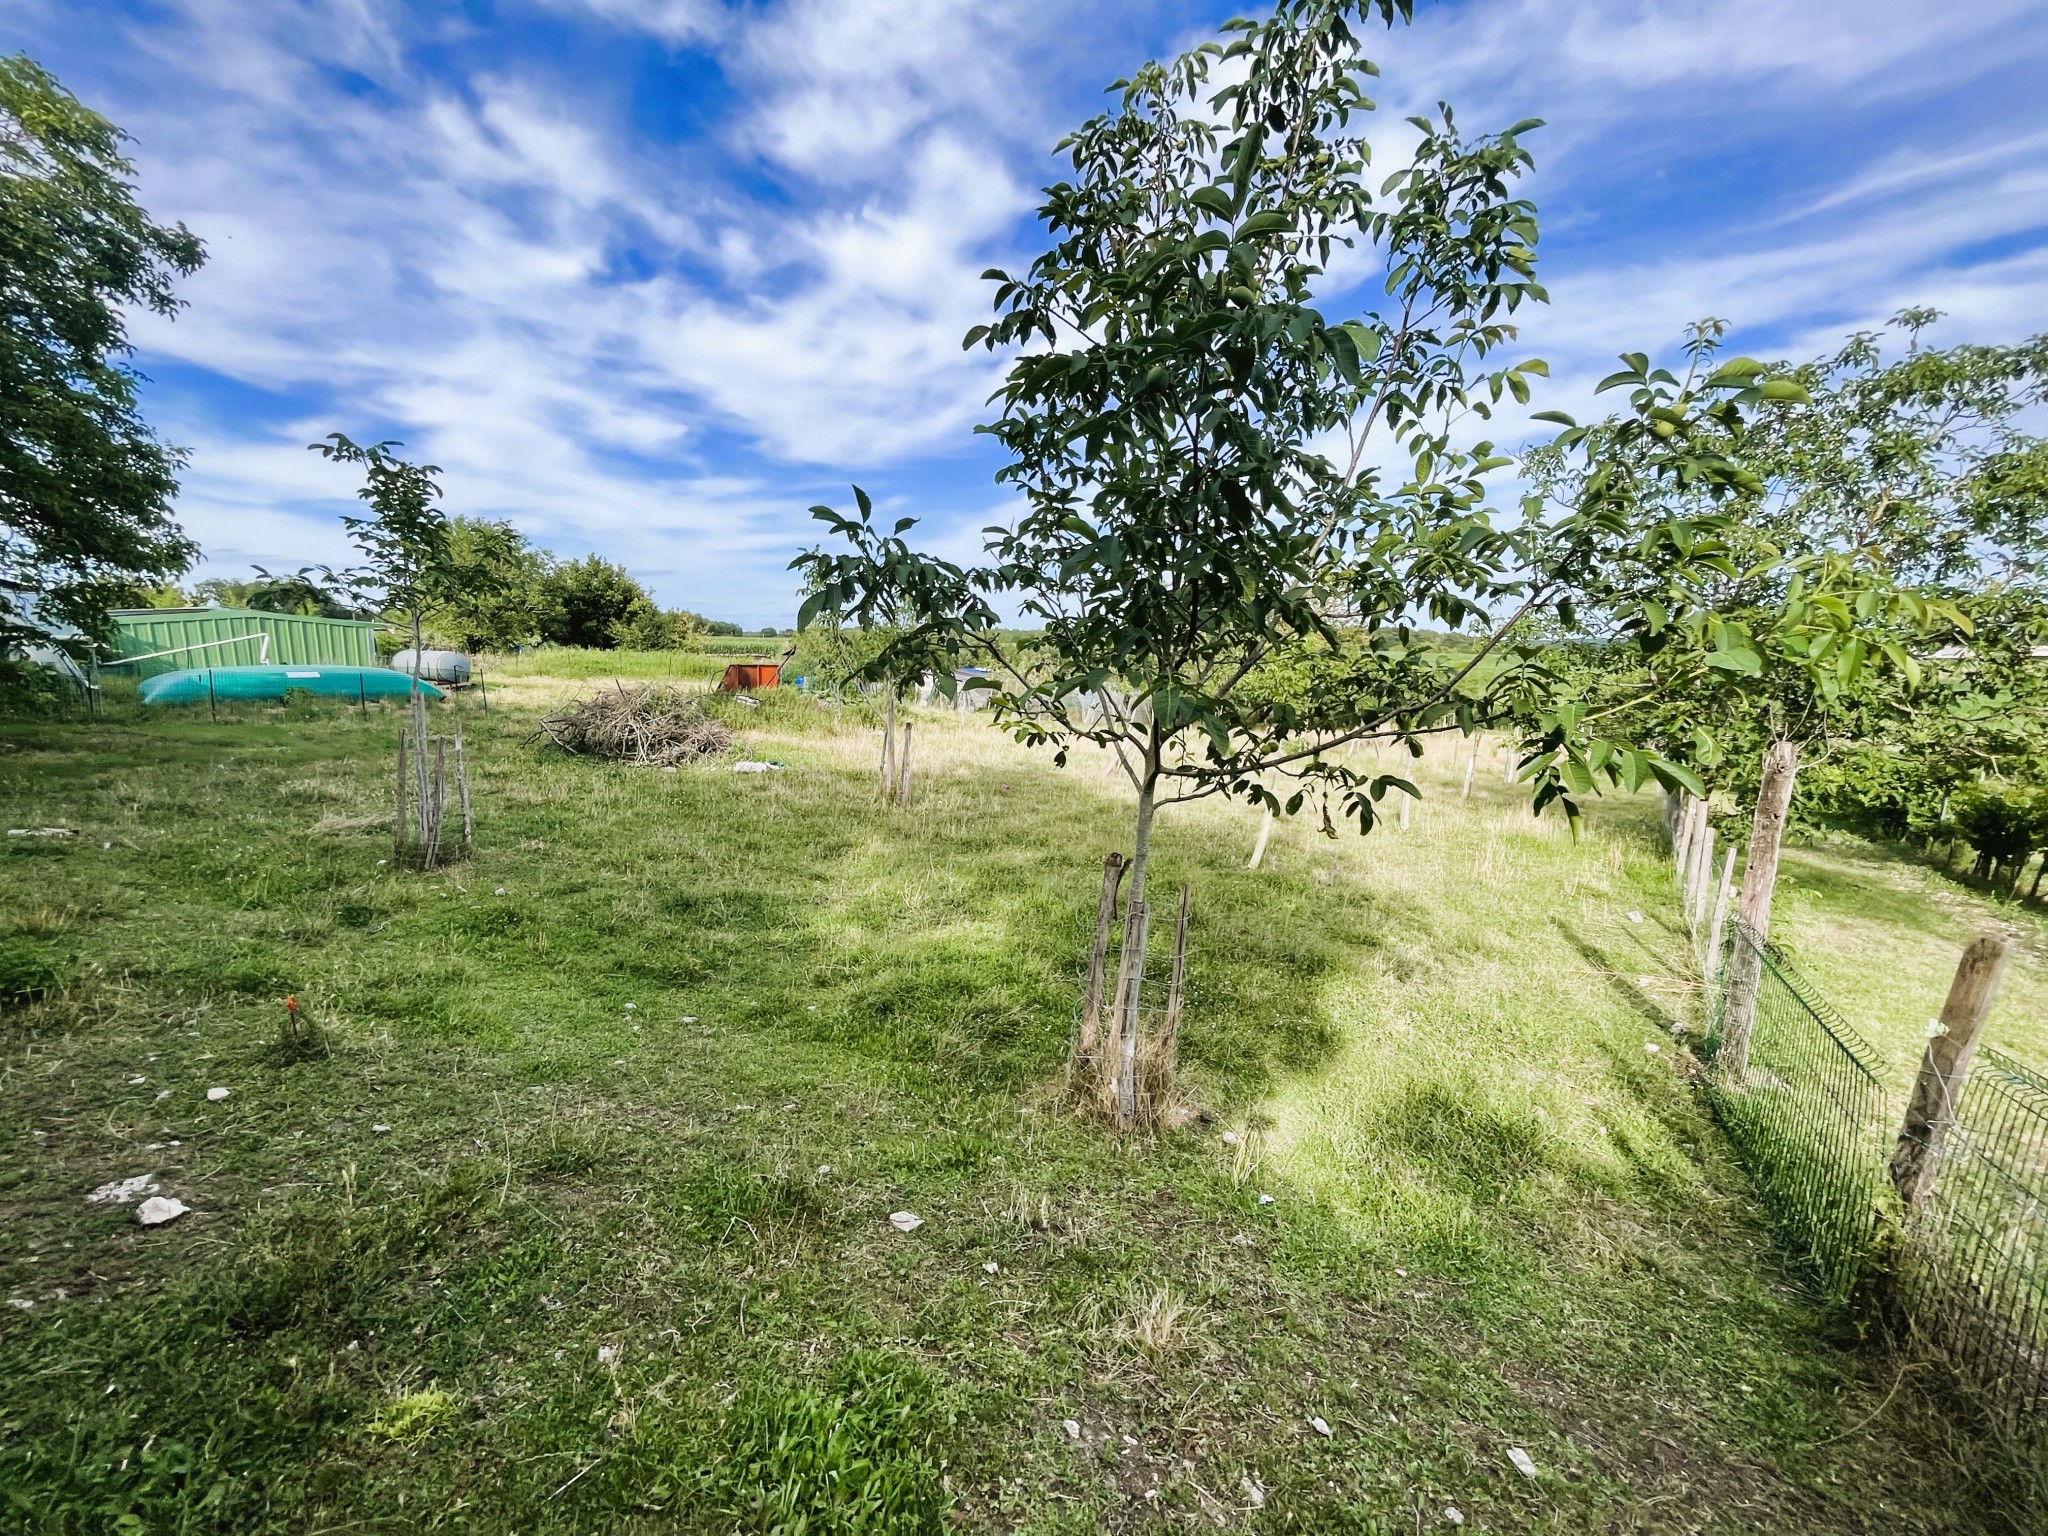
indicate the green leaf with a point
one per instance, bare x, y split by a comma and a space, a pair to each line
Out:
1263, 224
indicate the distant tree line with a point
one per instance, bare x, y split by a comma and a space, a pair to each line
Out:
498, 591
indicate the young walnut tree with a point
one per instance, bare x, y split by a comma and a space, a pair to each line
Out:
406, 539
1200, 450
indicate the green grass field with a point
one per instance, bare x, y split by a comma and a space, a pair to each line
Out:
579, 1219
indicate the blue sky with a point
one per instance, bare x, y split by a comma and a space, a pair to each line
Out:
649, 277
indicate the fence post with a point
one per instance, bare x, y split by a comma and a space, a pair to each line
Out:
1098, 952
1759, 879
1471, 762
1932, 1109
1713, 955
1702, 870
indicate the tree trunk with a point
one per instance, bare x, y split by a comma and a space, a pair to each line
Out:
1759, 880
2040, 869
414, 687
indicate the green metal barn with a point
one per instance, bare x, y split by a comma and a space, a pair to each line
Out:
154, 640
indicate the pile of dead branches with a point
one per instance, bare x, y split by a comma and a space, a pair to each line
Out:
654, 725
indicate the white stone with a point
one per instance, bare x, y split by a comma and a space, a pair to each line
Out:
1524, 1463
905, 1221
1320, 1426
380, 1130
215, 1095
991, 1267
1230, 1138
121, 1191
1072, 1427
1634, 917
1265, 1199
1454, 1514
157, 1210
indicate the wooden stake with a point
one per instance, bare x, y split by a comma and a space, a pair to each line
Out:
1129, 986
1759, 879
903, 784
1702, 867
462, 788
1405, 800
1098, 953
1169, 1046
398, 811
438, 800
888, 768
1471, 762
1259, 847
1713, 956
1917, 1160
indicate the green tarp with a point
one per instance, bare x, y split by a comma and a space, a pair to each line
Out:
199, 684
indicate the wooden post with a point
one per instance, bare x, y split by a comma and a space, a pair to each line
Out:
888, 768
1129, 986
1917, 1160
1759, 879
1702, 870
462, 788
1098, 953
1405, 800
398, 804
1714, 930
1169, 1045
1507, 773
436, 803
1471, 762
1259, 847
903, 784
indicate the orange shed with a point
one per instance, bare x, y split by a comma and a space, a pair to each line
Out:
750, 676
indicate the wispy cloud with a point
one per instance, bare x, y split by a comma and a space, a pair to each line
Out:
651, 276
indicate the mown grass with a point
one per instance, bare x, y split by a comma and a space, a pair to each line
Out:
577, 1217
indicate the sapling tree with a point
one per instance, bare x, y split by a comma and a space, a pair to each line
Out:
1199, 451
405, 541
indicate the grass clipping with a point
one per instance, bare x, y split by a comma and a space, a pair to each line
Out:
653, 725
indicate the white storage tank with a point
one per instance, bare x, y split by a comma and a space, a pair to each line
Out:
435, 666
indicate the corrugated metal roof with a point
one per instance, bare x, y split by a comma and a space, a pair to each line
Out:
167, 639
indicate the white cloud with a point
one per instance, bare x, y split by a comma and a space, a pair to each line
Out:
668, 350
677, 22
